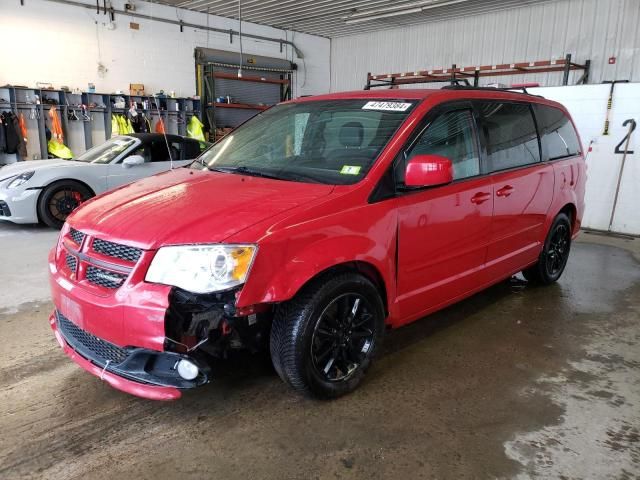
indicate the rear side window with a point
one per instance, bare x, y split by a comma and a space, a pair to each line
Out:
511, 135
557, 135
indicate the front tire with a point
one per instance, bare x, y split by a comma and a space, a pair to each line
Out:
59, 199
325, 338
554, 255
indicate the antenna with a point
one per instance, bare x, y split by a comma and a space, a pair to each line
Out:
155, 97
240, 36
164, 131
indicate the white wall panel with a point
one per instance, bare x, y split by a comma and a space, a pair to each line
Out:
588, 105
59, 44
588, 29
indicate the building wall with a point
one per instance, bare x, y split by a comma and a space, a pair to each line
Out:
62, 44
588, 29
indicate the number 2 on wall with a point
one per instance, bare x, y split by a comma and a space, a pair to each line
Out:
626, 137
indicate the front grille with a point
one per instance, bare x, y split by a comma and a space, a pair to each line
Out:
76, 236
4, 209
72, 263
90, 346
123, 252
104, 278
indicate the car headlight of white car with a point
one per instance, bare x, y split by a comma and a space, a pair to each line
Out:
202, 268
20, 179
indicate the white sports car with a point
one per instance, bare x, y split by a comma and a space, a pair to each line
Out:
49, 190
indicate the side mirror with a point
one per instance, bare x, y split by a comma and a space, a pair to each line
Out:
428, 171
132, 161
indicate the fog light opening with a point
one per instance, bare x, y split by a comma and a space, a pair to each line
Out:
187, 370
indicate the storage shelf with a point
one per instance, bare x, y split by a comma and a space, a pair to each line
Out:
102, 108
245, 106
250, 78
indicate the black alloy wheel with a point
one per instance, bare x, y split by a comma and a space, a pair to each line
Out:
555, 253
558, 250
325, 338
342, 337
59, 200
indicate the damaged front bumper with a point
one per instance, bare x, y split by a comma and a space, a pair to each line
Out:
139, 371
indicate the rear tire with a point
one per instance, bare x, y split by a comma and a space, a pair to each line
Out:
325, 338
59, 199
554, 255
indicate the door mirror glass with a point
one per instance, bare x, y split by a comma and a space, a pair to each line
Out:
428, 171
132, 161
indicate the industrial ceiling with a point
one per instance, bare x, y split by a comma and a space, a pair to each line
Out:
337, 18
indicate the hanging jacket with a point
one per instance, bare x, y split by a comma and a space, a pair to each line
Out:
59, 149
13, 138
56, 125
23, 127
194, 129
137, 122
21, 151
160, 126
3, 136
115, 127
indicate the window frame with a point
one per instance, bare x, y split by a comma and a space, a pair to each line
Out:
388, 188
573, 127
484, 140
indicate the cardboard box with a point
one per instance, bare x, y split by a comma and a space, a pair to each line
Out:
136, 89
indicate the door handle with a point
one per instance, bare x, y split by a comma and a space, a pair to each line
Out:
480, 197
505, 191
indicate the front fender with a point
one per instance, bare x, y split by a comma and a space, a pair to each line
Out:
282, 267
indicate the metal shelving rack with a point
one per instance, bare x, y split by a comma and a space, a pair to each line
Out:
22, 99
256, 90
457, 74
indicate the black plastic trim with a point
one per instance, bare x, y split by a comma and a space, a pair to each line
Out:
141, 365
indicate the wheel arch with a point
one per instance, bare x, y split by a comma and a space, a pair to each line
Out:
362, 267
571, 211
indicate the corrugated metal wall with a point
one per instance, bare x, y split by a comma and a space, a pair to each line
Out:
588, 29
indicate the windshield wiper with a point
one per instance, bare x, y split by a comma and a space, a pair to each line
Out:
245, 171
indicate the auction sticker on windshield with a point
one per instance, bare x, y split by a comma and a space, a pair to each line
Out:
387, 106
350, 170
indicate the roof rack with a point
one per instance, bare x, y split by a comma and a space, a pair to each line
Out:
522, 90
393, 83
457, 74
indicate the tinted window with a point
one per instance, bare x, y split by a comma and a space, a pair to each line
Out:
557, 135
192, 149
512, 139
159, 153
451, 135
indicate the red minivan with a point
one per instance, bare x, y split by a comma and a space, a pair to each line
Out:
313, 228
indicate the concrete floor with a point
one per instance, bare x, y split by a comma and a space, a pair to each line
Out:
516, 382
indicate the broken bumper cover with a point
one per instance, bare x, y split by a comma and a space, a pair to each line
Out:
138, 371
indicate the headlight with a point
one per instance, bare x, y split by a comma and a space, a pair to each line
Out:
202, 268
20, 179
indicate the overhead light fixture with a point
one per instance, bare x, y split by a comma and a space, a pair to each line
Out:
394, 11
368, 18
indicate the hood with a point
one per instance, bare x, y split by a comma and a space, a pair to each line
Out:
189, 206
34, 165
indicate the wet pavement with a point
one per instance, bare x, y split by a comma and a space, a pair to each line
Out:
515, 382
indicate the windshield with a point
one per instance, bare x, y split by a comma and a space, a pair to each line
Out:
331, 142
106, 152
